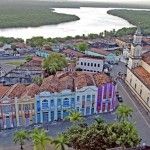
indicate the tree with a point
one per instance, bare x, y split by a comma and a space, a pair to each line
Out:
28, 58
61, 142
124, 112
100, 120
40, 139
38, 80
74, 117
82, 46
20, 137
54, 63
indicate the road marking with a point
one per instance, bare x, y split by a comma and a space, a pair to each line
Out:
134, 104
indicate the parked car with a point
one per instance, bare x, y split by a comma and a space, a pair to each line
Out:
120, 99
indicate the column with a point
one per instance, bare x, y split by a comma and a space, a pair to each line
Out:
17, 111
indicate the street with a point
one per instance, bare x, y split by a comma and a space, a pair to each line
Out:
140, 115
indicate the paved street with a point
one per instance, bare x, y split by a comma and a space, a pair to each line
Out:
139, 115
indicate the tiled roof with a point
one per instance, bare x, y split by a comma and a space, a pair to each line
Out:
3, 90
101, 78
36, 58
31, 90
73, 80
16, 90
99, 51
146, 57
74, 52
143, 75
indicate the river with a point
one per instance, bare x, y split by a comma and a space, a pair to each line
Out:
92, 20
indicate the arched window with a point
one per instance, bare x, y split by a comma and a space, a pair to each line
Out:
148, 100
44, 103
135, 86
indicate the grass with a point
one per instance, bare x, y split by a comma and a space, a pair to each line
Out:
134, 17
16, 63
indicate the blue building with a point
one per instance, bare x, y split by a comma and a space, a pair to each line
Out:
108, 55
43, 53
53, 106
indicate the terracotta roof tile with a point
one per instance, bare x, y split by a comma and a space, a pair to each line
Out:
3, 90
16, 90
143, 75
74, 52
31, 90
99, 51
73, 80
146, 57
36, 58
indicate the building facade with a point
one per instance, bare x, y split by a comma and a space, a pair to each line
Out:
25, 110
91, 64
90, 95
138, 71
7, 113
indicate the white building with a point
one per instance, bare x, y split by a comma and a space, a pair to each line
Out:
91, 64
138, 71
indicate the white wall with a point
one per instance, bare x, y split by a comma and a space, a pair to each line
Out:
86, 64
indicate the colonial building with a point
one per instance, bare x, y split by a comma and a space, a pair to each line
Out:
91, 64
138, 71
25, 106
7, 113
89, 93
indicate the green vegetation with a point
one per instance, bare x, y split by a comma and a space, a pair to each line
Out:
55, 62
82, 46
30, 14
38, 80
9, 40
133, 17
19, 63
28, 58
20, 137
74, 117
98, 135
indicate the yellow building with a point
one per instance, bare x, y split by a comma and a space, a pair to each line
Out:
138, 71
25, 110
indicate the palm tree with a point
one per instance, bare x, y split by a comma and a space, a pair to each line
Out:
19, 137
40, 139
74, 117
124, 112
61, 142
100, 120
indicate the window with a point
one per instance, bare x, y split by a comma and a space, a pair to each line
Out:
95, 65
88, 64
19, 106
91, 64
78, 98
140, 92
88, 97
130, 81
147, 99
78, 109
45, 103
83, 97
66, 102
93, 97
81, 63
6, 109
26, 106
58, 102
32, 106
52, 103
85, 64
98, 65
135, 86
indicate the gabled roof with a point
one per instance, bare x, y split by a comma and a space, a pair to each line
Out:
3, 90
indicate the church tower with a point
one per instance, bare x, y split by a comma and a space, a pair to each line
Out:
136, 48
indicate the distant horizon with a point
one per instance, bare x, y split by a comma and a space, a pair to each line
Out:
109, 1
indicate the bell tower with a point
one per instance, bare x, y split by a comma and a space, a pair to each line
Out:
136, 48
